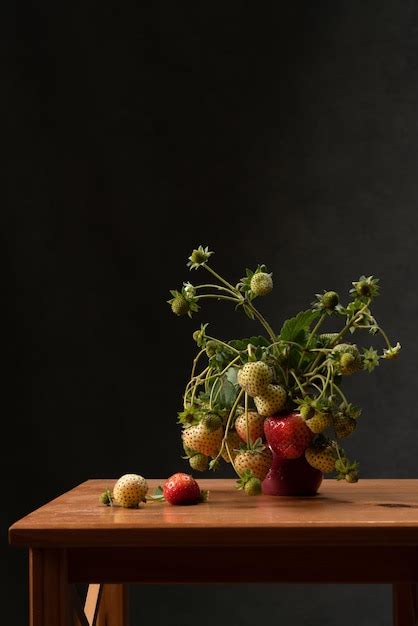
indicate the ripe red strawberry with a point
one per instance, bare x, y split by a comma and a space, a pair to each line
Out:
288, 435
201, 438
182, 489
255, 426
258, 461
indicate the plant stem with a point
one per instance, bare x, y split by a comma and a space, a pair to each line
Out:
326, 382
222, 280
247, 426
217, 296
341, 334
341, 393
228, 423
312, 333
297, 382
223, 344
210, 286
211, 393
263, 321
385, 337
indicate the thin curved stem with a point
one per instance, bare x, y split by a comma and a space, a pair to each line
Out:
222, 280
334, 386
312, 333
297, 382
210, 286
223, 344
228, 423
262, 321
217, 296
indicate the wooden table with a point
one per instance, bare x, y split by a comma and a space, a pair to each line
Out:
363, 533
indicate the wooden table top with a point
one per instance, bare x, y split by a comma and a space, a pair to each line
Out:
371, 512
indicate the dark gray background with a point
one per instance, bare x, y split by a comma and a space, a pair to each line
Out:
284, 133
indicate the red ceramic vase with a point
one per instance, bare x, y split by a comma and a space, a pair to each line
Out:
288, 436
291, 477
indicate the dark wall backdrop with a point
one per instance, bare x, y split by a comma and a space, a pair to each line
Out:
284, 133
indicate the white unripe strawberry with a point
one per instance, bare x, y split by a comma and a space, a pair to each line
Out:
271, 401
130, 490
200, 439
254, 377
261, 283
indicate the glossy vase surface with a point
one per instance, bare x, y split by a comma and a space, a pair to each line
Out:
291, 477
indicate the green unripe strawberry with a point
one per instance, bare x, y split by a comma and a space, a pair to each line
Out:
307, 411
319, 422
212, 422
211, 348
321, 458
179, 305
261, 283
344, 426
348, 358
199, 462
106, 497
253, 487
330, 299
352, 477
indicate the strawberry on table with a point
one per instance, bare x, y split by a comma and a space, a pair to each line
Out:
130, 490
182, 489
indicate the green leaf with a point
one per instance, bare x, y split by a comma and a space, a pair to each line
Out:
295, 328
231, 375
227, 394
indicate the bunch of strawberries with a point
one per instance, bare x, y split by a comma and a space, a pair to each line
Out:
286, 386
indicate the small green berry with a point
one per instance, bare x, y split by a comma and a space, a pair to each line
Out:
199, 462
179, 305
253, 487
212, 422
106, 497
352, 477
307, 411
330, 299
211, 348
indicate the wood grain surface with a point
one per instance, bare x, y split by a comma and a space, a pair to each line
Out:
372, 512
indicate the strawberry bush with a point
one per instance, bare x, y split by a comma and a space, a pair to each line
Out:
236, 385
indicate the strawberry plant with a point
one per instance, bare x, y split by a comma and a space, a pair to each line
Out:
286, 384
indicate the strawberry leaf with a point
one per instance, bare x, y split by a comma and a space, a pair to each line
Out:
295, 329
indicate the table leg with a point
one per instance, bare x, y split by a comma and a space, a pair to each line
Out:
48, 588
113, 609
405, 604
